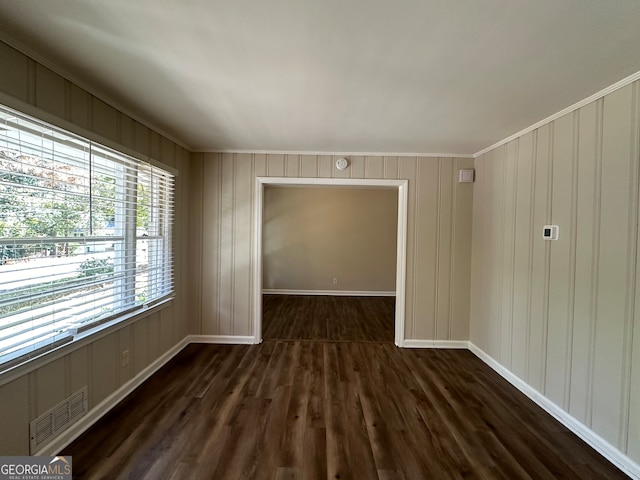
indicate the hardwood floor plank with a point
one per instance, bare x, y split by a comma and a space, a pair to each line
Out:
314, 463
321, 408
299, 317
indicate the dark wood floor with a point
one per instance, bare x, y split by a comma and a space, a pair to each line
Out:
362, 319
301, 409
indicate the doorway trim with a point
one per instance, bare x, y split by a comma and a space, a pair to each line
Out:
401, 246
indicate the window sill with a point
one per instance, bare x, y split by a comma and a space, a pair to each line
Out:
81, 340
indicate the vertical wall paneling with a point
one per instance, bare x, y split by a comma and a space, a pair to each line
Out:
575, 314
50, 385
104, 121
560, 274
409, 170
77, 370
522, 242
374, 167
634, 198
476, 296
168, 153
15, 416
226, 220
209, 267
104, 377
243, 196
124, 343
31, 81
460, 252
633, 407
390, 167
275, 166
14, 72
539, 277
356, 167
50, 92
140, 355
142, 139
508, 252
444, 249
585, 224
292, 168
80, 108
496, 273
425, 254
613, 276
155, 145
308, 166
633, 422
326, 166
126, 133
429, 189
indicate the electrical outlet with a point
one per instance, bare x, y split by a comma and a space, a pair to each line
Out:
335, 280
124, 361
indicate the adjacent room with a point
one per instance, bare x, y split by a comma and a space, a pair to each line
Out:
293, 239
329, 262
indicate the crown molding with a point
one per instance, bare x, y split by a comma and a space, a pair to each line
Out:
336, 154
605, 91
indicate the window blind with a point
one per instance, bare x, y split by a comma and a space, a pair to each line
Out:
85, 236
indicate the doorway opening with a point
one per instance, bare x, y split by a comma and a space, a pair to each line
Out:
400, 271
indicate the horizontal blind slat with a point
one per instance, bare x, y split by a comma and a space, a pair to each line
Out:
85, 235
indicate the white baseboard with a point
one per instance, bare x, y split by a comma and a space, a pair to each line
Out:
436, 344
330, 293
615, 456
96, 413
222, 339
611, 453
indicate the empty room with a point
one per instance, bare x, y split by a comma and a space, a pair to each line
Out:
297, 240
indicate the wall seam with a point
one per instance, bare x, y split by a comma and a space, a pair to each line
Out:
547, 258
596, 259
232, 313
514, 202
436, 273
532, 197
67, 100
452, 236
416, 202
32, 82
201, 223
503, 213
625, 399
572, 261
252, 246
217, 310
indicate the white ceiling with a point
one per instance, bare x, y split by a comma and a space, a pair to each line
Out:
404, 76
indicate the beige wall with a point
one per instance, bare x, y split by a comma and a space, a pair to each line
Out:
96, 364
438, 246
311, 235
563, 315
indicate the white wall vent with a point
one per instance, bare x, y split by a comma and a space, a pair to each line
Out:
54, 421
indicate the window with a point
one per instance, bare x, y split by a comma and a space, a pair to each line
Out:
85, 236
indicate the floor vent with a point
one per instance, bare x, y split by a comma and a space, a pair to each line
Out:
51, 423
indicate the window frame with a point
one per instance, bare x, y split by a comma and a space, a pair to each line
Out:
125, 316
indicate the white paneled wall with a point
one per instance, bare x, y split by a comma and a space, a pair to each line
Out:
97, 364
563, 315
439, 235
